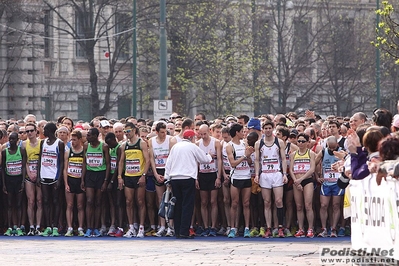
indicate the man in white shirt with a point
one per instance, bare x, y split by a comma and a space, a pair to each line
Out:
182, 170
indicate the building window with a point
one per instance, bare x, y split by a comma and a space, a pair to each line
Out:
124, 107
122, 23
80, 34
47, 33
345, 41
46, 110
84, 108
302, 30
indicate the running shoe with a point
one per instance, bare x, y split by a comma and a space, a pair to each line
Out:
14, 231
333, 233
262, 232
341, 232
151, 232
130, 233
96, 233
119, 232
287, 232
103, 231
247, 234
8, 232
46, 232
300, 233
19, 232
140, 234
221, 231
227, 231
199, 231
69, 232
37, 232
161, 232
81, 233
88, 233
31, 231
55, 232
323, 233
23, 230
111, 231
275, 232
212, 232
268, 233
281, 232
191, 232
310, 233
254, 232
206, 232
170, 232
232, 233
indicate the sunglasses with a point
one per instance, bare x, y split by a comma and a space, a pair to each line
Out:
302, 141
22, 132
30, 131
127, 131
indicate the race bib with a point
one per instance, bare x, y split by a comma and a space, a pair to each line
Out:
160, 160
32, 165
132, 167
94, 159
49, 159
113, 164
270, 166
75, 170
208, 167
301, 166
226, 163
330, 176
243, 165
14, 168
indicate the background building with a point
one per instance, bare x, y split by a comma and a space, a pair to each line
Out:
225, 57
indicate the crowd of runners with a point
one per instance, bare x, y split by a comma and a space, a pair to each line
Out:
270, 176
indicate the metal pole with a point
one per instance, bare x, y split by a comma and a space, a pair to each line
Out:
279, 52
255, 57
377, 60
134, 92
163, 53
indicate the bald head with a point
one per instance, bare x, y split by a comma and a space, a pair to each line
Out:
203, 131
331, 142
357, 119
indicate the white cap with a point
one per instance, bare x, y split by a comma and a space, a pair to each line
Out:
104, 123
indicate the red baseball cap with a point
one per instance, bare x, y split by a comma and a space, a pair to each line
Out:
188, 134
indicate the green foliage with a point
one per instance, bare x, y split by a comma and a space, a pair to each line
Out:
210, 44
388, 31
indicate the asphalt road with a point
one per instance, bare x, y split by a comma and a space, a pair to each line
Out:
165, 251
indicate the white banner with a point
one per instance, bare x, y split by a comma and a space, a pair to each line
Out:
375, 214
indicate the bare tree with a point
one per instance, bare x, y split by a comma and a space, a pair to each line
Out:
93, 21
345, 57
